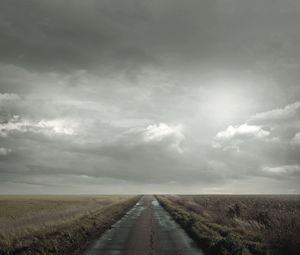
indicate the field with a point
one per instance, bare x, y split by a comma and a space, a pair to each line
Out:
239, 224
56, 224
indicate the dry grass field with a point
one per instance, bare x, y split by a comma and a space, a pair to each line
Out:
56, 224
239, 224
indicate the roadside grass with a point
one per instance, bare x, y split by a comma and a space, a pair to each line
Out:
56, 224
239, 225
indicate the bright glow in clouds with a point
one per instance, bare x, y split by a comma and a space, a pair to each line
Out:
225, 100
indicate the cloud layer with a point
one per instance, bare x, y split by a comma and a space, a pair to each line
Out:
149, 96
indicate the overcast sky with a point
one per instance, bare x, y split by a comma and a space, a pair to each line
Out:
149, 96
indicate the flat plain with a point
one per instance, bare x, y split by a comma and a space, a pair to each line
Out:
120, 224
239, 224
56, 224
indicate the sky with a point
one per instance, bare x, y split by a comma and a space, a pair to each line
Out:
149, 96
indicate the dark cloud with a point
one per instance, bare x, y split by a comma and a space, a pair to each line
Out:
71, 34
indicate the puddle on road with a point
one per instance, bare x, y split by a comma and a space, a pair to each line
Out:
155, 203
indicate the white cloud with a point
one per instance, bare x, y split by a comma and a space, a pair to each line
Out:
276, 126
296, 139
8, 97
4, 151
242, 131
57, 126
282, 170
161, 131
288, 112
235, 135
171, 134
46, 127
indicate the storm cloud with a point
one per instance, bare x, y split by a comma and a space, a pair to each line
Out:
149, 96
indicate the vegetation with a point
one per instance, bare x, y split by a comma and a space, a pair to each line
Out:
239, 225
56, 224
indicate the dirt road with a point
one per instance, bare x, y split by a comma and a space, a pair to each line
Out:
146, 229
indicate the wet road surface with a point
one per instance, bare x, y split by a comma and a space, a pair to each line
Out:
147, 229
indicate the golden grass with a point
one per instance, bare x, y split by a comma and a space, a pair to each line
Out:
25, 219
20, 205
